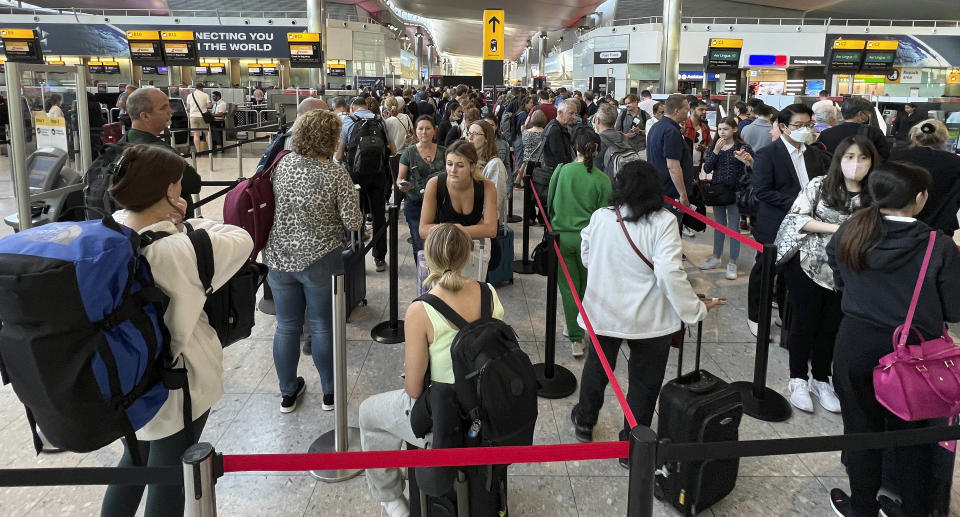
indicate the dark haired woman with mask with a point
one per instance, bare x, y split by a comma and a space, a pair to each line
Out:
148, 188
577, 189
825, 203
876, 257
627, 299
927, 149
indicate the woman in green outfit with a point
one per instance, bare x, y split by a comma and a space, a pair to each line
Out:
577, 189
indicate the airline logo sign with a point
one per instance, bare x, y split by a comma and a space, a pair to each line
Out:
493, 21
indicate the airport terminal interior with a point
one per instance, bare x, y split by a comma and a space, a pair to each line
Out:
261, 60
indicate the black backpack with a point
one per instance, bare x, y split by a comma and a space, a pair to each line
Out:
99, 178
273, 149
495, 382
367, 150
508, 126
230, 309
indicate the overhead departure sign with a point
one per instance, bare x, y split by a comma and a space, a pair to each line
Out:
145, 48
878, 56
723, 55
846, 56
22, 46
493, 21
179, 48
304, 49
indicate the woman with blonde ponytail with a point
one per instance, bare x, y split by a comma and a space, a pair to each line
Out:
385, 418
577, 190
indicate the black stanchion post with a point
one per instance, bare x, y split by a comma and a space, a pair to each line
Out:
391, 331
524, 266
643, 465
555, 381
759, 401
511, 218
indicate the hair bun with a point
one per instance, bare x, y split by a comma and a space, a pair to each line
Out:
928, 128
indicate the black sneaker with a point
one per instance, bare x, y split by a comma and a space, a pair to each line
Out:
409, 240
890, 508
381, 265
289, 402
624, 462
841, 504
583, 433
327, 402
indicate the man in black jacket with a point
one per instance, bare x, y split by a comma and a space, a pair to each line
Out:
856, 121
780, 171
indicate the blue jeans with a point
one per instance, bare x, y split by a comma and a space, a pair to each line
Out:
411, 212
298, 295
728, 216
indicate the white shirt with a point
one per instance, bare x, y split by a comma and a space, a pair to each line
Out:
396, 132
650, 122
202, 98
822, 104
219, 106
647, 105
495, 171
193, 342
624, 298
796, 155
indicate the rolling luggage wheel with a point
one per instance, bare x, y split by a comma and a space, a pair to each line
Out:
363, 302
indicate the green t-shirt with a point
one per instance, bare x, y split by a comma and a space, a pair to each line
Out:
418, 170
575, 195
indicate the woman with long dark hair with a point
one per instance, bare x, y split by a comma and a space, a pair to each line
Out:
630, 300
825, 203
577, 189
876, 257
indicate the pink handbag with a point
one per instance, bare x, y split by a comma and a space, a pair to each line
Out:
919, 382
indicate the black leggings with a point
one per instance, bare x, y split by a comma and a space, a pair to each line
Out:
162, 500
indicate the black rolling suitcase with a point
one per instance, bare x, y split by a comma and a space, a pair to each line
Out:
698, 407
469, 497
354, 274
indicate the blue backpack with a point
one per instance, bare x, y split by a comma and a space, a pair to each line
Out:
83, 340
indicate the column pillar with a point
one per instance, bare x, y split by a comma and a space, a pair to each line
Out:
528, 68
429, 61
317, 22
542, 55
670, 54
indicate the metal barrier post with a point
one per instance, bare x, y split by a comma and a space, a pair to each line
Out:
511, 218
241, 137
643, 465
391, 331
555, 381
759, 401
199, 478
193, 158
342, 438
524, 266
222, 136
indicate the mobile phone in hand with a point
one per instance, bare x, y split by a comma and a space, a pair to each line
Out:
405, 183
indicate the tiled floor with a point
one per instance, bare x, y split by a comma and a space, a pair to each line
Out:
247, 419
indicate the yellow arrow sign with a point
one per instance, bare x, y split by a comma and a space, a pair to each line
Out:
493, 21
953, 78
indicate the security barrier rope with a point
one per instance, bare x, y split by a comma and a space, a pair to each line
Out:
715, 225
614, 384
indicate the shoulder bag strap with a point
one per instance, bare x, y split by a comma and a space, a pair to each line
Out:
204, 250
632, 245
445, 310
916, 290
194, 95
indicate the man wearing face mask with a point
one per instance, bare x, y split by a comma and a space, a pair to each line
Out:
856, 121
780, 171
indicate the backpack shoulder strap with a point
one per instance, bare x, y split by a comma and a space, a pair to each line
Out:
445, 310
204, 250
486, 300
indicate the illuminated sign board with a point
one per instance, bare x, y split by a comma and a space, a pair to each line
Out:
179, 48
111, 67
270, 69
723, 55
145, 48
304, 49
845, 56
878, 56
254, 70
22, 46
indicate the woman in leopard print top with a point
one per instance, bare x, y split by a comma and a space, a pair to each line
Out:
315, 203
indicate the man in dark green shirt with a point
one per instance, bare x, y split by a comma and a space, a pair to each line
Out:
150, 112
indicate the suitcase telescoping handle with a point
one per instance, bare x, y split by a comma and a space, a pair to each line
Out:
696, 367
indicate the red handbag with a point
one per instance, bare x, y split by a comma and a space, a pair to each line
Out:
919, 382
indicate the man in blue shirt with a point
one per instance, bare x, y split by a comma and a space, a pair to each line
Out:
667, 151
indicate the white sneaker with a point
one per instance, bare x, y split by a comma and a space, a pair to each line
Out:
800, 395
687, 232
731, 273
825, 394
578, 348
711, 263
396, 508
566, 332
754, 327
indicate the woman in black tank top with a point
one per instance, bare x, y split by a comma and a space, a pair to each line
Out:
460, 195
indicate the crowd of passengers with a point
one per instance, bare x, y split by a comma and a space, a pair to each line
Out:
849, 214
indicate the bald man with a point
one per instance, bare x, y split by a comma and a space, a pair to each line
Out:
309, 104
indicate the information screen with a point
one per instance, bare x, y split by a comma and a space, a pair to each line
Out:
40, 170
180, 53
95, 67
721, 60
146, 53
878, 61
844, 61
271, 71
163, 70
148, 70
217, 69
337, 70
111, 67
22, 46
305, 55
254, 70
202, 70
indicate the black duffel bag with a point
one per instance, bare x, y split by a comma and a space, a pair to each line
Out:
717, 194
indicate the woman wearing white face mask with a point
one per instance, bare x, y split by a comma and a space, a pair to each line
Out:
822, 206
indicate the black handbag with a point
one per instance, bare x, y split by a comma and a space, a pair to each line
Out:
717, 195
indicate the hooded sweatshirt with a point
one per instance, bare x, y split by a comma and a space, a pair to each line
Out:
880, 294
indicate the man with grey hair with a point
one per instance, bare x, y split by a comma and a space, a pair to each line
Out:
149, 111
824, 118
610, 139
557, 146
856, 113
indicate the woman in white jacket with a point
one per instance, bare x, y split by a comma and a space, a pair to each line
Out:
629, 298
148, 188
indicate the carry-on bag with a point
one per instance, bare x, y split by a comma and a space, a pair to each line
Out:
504, 270
698, 407
354, 274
